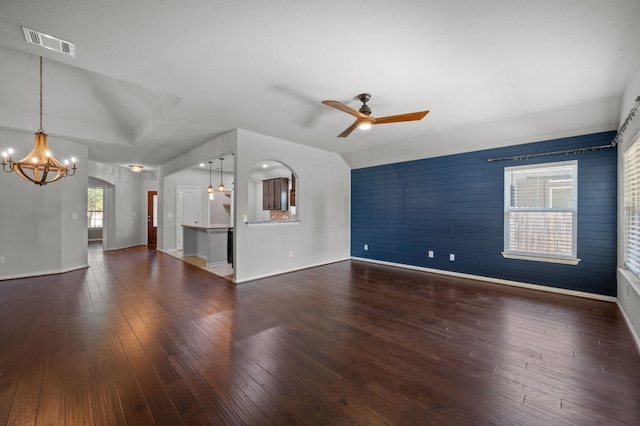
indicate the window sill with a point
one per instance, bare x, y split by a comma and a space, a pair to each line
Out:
630, 278
562, 260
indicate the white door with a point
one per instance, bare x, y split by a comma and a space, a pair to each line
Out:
188, 210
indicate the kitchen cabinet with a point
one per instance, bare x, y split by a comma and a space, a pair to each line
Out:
275, 194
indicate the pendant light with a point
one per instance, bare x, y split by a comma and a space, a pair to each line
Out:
210, 187
221, 186
39, 166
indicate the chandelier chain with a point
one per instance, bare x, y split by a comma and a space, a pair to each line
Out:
41, 130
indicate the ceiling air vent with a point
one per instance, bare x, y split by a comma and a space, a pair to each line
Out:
49, 42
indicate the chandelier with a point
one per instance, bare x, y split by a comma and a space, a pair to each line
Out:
39, 166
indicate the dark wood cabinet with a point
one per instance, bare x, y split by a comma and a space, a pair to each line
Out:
292, 195
275, 194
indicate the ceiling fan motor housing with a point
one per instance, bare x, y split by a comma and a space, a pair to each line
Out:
364, 98
364, 109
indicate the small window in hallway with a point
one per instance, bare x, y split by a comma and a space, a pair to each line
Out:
95, 207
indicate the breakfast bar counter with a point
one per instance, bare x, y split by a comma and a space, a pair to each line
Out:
206, 242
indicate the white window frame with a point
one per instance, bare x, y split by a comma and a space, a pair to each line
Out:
631, 176
542, 256
99, 219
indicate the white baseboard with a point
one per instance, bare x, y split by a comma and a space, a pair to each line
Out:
494, 280
286, 271
634, 334
168, 251
124, 247
43, 273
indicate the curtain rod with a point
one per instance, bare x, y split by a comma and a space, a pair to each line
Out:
613, 143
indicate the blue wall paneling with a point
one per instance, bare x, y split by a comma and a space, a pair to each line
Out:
454, 204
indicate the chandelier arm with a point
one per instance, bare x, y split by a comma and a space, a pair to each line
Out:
45, 173
4, 166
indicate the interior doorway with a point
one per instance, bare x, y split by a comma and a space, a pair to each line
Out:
152, 218
188, 210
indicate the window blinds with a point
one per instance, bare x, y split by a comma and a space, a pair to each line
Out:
632, 209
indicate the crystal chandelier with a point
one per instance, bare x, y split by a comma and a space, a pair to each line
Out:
39, 166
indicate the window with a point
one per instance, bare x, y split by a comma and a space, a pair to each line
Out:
541, 212
94, 207
632, 208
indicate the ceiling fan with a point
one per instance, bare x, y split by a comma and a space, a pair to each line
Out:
363, 115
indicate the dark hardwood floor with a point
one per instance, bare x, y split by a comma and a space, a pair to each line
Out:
143, 338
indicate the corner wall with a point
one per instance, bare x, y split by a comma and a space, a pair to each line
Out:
322, 194
43, 228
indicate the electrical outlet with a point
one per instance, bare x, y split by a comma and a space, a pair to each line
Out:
452, 257
430, 254
366, 246
1, 259
290, 254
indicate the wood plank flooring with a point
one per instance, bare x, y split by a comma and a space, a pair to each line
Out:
143, 338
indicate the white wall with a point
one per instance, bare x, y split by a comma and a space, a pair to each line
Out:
218, 213
628, 284
43, 229
125, 204
323, 196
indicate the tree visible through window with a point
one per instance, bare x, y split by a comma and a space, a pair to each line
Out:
94, 207
541, 212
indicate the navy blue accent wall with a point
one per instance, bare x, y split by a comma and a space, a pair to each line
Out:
455, 204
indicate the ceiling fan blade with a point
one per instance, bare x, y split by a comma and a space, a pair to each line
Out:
350, 129
412, 116
344, 108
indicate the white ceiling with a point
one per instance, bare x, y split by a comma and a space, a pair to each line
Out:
155, 78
